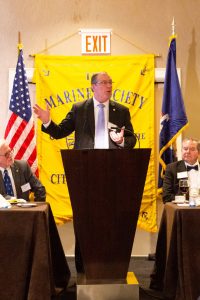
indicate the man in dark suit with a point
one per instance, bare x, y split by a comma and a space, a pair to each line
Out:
23, 181
188, 168
83, 119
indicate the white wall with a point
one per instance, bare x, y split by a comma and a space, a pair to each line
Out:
138, 26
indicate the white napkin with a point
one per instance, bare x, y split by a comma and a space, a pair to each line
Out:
4, 203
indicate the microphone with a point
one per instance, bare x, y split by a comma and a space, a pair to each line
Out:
118, 129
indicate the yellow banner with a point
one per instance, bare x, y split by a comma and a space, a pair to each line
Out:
62, 81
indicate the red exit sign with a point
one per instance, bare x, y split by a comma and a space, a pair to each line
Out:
95, 41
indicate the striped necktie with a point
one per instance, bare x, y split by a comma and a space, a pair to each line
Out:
7, 183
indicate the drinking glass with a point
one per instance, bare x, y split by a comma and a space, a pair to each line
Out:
193, 196
184, 186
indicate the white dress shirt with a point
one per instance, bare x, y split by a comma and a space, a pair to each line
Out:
194, 176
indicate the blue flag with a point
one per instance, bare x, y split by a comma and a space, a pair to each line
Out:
173, 119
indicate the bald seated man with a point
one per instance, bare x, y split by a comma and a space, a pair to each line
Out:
187, 168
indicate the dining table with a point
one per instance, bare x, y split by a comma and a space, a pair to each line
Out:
33, 265
176, 270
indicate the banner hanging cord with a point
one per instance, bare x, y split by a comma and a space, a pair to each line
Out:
55, 44
73, 34
131, 43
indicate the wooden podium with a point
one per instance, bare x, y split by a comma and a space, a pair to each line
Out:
105, 188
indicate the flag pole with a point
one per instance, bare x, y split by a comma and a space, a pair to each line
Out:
19, 37
174, 144
19, 46
178, 142
173, 27
173, 34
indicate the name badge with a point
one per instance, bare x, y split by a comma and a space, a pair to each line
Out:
26, 187
182, 175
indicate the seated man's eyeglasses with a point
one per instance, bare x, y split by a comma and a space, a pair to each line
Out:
8, 153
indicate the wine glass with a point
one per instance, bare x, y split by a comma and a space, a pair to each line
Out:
184, 186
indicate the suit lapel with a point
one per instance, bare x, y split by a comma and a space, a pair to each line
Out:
181, 166
16, 176
2, 184
90, 115
113, 113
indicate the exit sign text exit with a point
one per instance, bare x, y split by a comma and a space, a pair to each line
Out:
95, 41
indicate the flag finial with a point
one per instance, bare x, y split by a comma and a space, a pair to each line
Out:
173, 26
19, 46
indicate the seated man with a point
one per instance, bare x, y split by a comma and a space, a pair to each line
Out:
185, 168
188, 168
16, 177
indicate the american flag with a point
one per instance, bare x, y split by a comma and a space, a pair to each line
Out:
20, 131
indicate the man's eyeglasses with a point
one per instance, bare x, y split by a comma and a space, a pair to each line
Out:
104, 82
8, 153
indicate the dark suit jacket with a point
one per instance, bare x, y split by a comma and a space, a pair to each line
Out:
81, 120
171, 182
22, 174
